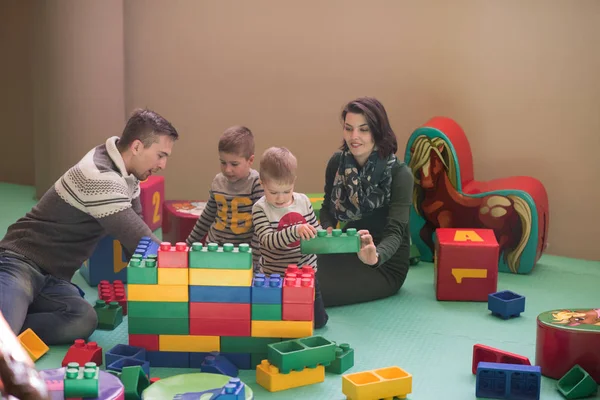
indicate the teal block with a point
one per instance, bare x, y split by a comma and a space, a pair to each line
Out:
297, 354
344, 359
142, 271
266, 312
158, 326
225, 257
81, 382
246, 344
158, 309
109, 315
334, 243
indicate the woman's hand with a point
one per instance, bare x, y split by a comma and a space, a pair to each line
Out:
306, 231
368, 251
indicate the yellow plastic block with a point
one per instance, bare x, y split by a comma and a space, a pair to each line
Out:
33, 345
172, 276
189, 343
269, 377
176, 293
220, 277
383, 383
282, 329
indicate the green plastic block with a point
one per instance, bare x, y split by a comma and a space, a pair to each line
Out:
334, 243
142, 271
256, 359
344, 359
576, 384
81, 382
159, 326
134, 381
246, 344
297, 354
109, 315
158, 309
214, 257
266, 312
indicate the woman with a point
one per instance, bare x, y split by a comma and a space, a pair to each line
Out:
367, 188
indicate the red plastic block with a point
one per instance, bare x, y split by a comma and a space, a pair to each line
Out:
152, 197
297, 312
81, 353
224, 311
148, 342
466, 264
482, 353
299, 285
220, 327
153, 380
113, 292
173, 256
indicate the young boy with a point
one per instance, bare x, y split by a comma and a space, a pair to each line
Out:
281, 218
227, 217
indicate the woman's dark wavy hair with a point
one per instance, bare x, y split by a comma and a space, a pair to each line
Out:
379, 124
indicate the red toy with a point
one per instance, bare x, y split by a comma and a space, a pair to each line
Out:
466, 264
179, 218
152, 197
446, 195
113, 292
298, 285
173, 256
482, 353
81, 353
567, 337
148, 342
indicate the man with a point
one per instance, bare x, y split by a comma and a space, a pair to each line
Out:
98, 196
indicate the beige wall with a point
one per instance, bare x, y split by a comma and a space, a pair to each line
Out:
521, 77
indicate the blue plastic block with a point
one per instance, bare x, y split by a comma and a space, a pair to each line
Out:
168, 359
220, 294
196, 359
121, 363
234, 390
508, 381
216, 363
266, 290
147, 247
102, 266
124, 351
506, 304
240, 360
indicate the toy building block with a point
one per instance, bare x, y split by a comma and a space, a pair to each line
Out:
490, 354
159, 309
147, 342
336, 242
147, 248
233, 390
82, 352
118, 365
383, 383
508, 381
344, 359
465, 264
297, 312
577, 384
142, 271
108, 262
220, 294
33, 345
299, 285
216, 363
297, 354
113, 292
154, 380
173, 256
173, 276
152, 197
135, 382
269, 377
81, 382
506, 304
267, 312
267, 289
220, 277
220, 327
214, 257
240, 360
241, 344
172, 293
169, 359
109, 315
282, 329
124, 351
154, 326
189, 343
220, 310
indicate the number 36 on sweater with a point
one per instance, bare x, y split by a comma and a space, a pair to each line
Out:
240, 222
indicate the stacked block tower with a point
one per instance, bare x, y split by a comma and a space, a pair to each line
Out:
186, 302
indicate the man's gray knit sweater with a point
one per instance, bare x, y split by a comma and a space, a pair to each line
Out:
94, 198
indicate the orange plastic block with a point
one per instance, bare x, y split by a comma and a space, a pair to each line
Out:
173, 276
175, 293
465, 264
33, 345
220, 277
173, 256
282, 329
269, 377
383, 383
